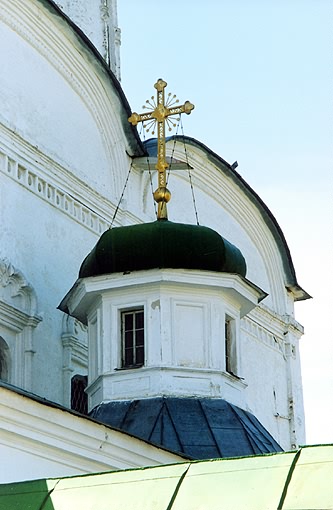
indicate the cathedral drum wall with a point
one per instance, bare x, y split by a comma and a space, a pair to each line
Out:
270, 365
265, 372
47, 247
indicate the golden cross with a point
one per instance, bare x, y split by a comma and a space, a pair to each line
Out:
159, 114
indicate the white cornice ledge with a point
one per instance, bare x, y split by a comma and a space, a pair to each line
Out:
86, 290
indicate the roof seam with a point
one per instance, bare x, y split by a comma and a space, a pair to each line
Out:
122, 426
154, 426
173, 424
210, 428
46, 499
288, 479
249, 439
180, 481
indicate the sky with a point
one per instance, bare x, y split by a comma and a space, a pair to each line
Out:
260, 75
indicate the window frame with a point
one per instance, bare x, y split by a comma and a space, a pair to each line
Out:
135, 334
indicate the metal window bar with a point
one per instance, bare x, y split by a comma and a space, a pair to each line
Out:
79, 398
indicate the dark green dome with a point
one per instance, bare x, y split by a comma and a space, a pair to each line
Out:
162, 244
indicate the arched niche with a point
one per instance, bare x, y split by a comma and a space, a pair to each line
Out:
75, 354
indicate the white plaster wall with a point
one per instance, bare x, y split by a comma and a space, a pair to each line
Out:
48, 248
18, 465
221, 220
62, 158
57, 96
270, 365
265, 371
98, 20
87, 14
41, 105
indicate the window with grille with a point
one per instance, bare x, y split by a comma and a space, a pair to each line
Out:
79, 398
132, 338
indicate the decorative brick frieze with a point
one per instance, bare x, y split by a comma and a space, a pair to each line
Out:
46, 189
272, 329
262, 335
266, 327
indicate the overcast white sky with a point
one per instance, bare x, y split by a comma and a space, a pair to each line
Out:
260, 75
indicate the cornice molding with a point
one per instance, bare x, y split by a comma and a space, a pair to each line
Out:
15, 319
51, 182
271, 329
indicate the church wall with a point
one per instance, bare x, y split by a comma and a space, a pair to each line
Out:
62, 159
48, 248
63, 165
98, 20
264, 368
47, 112
270, 365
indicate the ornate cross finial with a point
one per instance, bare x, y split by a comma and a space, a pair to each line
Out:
160, 113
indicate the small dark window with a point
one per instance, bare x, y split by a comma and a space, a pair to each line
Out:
230, 346
79, 398
132, 338
4, 360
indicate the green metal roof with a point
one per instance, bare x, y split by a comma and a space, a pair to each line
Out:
162, 244
295, 480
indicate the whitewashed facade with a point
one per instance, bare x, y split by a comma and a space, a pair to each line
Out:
65, 151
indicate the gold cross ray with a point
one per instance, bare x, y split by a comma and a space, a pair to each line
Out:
159, 114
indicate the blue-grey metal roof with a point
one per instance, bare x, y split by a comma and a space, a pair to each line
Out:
199, 428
